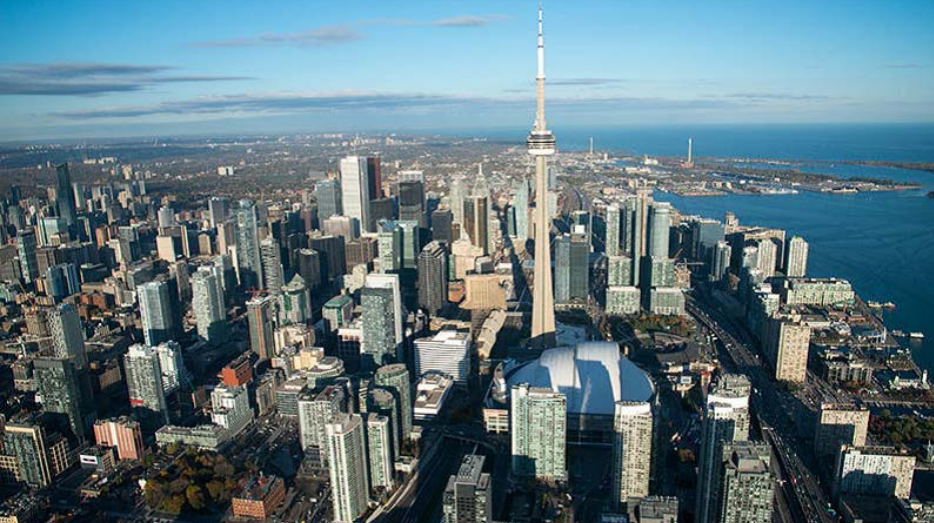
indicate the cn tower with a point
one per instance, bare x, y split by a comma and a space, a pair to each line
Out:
541, 145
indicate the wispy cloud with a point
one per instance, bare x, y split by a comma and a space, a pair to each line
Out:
344, 33
776, 97
321, 36
89, 79
289, 103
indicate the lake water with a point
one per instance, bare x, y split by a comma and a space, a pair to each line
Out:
883, 243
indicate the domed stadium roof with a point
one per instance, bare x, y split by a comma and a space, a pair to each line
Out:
593, 376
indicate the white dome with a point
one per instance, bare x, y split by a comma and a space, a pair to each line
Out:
593, 376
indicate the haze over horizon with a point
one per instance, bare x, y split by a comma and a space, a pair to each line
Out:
109, 69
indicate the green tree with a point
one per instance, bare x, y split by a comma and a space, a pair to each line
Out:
215, 490
195, 497
173, 504
178, 486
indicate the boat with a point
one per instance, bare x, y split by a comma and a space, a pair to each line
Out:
916, 335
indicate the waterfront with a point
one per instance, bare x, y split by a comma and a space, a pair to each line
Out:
882, 242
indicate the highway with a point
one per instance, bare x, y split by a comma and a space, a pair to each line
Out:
774, 408
420, 495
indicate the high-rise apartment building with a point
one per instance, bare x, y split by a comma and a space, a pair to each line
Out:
208, 304
747, 490
261, 318
379, 451
159, 311
538, 421
249, 253
796, 257
726, 420
144, 382
395, 378
345, 441
632, 451
838, 425
67, 334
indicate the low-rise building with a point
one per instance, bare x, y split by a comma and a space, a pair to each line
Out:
259, 497
431, 392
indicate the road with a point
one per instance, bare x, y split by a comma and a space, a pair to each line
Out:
773, 406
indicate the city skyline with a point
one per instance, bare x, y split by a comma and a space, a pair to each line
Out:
300, 69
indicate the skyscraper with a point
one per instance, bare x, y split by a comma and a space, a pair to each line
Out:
374, 177
411, 191
521, 205
309, 267
395, 378
159, 311
541, 145
632, 451
26, 247
379, 344
476, 221
271, 260
442, 221
726, 420
67, 334
144, 382
747, 490
65, 196
379, 451
456, 195
347, 465
218, 210
382, 401
328, 196
390, 281
261, 319
572, 268
720, 260
613, 223
249, 258
432, 278
208, 304
398, 245
468, 497
659, 227
315, 410
295, 302
58, 387
332, 256
796, 257
538, 428
355, 193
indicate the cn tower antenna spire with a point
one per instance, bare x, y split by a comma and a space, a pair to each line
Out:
540, 78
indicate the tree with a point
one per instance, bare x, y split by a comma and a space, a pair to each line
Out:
177, 486
173, 504
195, 497
215, 490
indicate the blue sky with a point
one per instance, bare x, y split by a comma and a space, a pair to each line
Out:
112, 68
